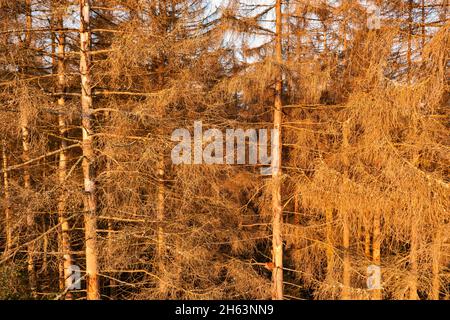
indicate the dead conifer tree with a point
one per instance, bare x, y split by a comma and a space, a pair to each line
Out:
90, 201
277, 207
58, 10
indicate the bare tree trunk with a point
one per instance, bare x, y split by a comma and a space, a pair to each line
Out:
443, 16
110, 239
29, 214
8, 227
90, 201
424, 21
277, 240
436, 265
61, 277
367, 241
65, 248
45, 244
376, 247
329, 242
160, 249
296, 208
161, 170
410, 31
413, 260
346, 294
26, 173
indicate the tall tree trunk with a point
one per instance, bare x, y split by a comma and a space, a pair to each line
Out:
110, 239
367, 241
161, 172
29, 214
64, 245
436, 265
376, 248
424, 21
410, 35
329, 242
7, 199
160, 246
277, 210
413, 260
90, 201
31, 267
296, 208
443, 15
346, 294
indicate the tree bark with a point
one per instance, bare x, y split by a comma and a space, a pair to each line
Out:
424, 21
277, 240
443, 16
410, 31
296, 208
367, 241
90, 201
376, 248
65, 247
436, 265
24, 122
160, 246
329, 242
346, 294
7, 199
413, 260
110, 239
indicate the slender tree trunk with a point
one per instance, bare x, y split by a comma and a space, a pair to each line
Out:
413, 260
296, 208
443, 16
7, 197
110, 239
424, 21
376, 247
414, 242
161, 170
277, 240
329, 242
346, 277
90, 201
31, 267
346, 294
29, 214
367, 241
436, 265
410, 34
45, 244
160, 249
64, 245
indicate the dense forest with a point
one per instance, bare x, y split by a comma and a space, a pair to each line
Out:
355, 204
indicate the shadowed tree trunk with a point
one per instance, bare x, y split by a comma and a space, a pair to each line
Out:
24, 123
7, 205
329, 242
64, 245
346, 294
436, 265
